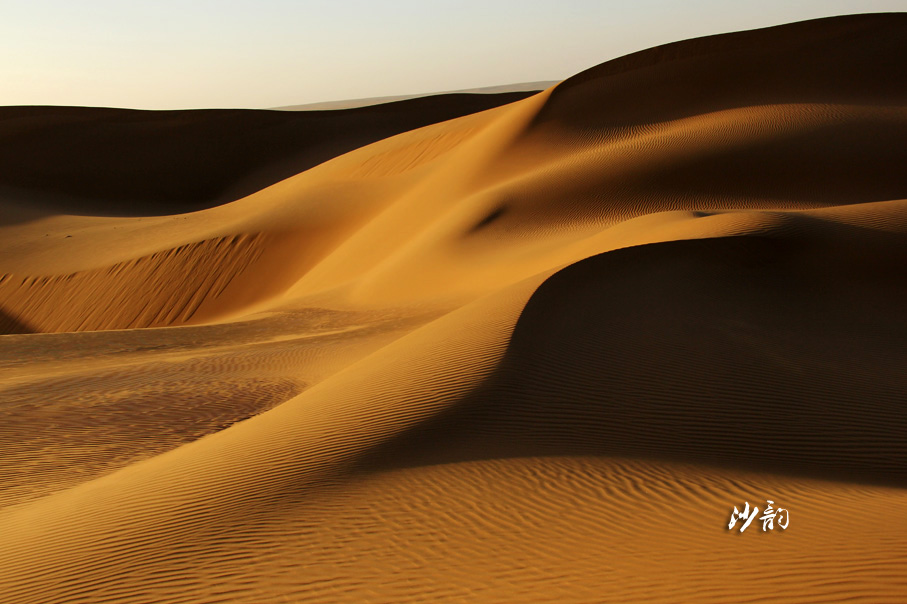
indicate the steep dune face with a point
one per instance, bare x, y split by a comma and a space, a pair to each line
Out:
536, 353
760, 351
181, 279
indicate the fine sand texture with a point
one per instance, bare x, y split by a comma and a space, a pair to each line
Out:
463, 349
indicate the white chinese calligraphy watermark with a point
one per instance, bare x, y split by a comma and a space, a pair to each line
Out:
768, 518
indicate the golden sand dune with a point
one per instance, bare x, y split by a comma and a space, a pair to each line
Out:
534, 353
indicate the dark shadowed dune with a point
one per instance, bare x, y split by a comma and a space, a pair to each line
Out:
855, 59
779, 353
127, 162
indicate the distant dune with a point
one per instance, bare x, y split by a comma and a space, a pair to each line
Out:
125, 162
377, 100
471, 349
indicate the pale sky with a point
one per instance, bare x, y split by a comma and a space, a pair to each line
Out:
172, 54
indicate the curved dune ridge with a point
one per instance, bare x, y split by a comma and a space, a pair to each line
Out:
538, 352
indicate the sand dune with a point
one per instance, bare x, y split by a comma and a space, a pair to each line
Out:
377, 100
122, 162
535, 353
